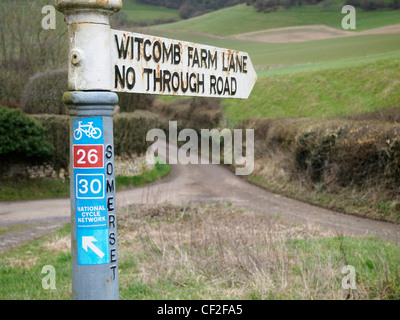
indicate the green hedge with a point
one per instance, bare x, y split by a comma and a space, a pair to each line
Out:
130, 130
333, 151
57, 132
22, 139
43, 93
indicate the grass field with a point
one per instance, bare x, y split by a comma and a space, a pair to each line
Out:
336, 91
140, 12
214, 251
242, 19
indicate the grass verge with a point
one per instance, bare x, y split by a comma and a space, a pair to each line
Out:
33, 189
159, 171
215, 251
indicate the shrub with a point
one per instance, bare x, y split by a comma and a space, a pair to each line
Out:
57, 132
195, 113
334, 151
21, 138
43, 93
129, 102
130, 130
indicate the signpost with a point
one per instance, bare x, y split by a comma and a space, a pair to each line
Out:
102, 62
154, 65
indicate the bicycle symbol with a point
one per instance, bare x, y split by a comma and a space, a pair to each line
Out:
88, 129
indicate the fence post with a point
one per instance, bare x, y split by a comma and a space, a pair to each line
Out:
91, 105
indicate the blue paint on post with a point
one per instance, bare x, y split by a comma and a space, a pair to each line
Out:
90, 194
92, 246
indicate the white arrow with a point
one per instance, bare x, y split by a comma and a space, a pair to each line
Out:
88, 242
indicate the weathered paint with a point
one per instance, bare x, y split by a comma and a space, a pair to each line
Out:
154, 65
112, 5
89, 47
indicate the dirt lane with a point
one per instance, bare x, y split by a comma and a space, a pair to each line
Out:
27, 220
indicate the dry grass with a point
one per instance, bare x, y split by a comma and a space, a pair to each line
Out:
58, 244
26, 262
229, 253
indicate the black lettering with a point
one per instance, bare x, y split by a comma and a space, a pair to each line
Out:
175, 80
196, 58
109, 151
113, 255
190, 55
184, 89
112, 238
177, 54
203, 57
148, 72
226, 87
232, 63
244, 64
147, 57
200, 83
122, 50
111, 221
157, 79
157, 48
220, 85
223, 62
110, 204
239, 66
212, 59
233, 85
132, 46
113, 269
192, 84
167, 53
166, 80
130, 78
139, 41
119, 78
110, 168
213, 82
110, 186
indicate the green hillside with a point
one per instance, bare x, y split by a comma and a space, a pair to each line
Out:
326, 77
267, 55
243, 18
139, 12
334, 91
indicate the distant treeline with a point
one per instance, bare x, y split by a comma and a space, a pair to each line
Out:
374, 4
272, 5
192, 8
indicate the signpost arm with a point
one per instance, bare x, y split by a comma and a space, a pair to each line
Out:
91, 105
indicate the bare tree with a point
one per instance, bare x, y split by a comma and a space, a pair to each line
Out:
26, 48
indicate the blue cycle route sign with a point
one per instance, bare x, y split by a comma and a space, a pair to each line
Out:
90, 195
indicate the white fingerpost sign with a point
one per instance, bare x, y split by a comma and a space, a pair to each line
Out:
154, 65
